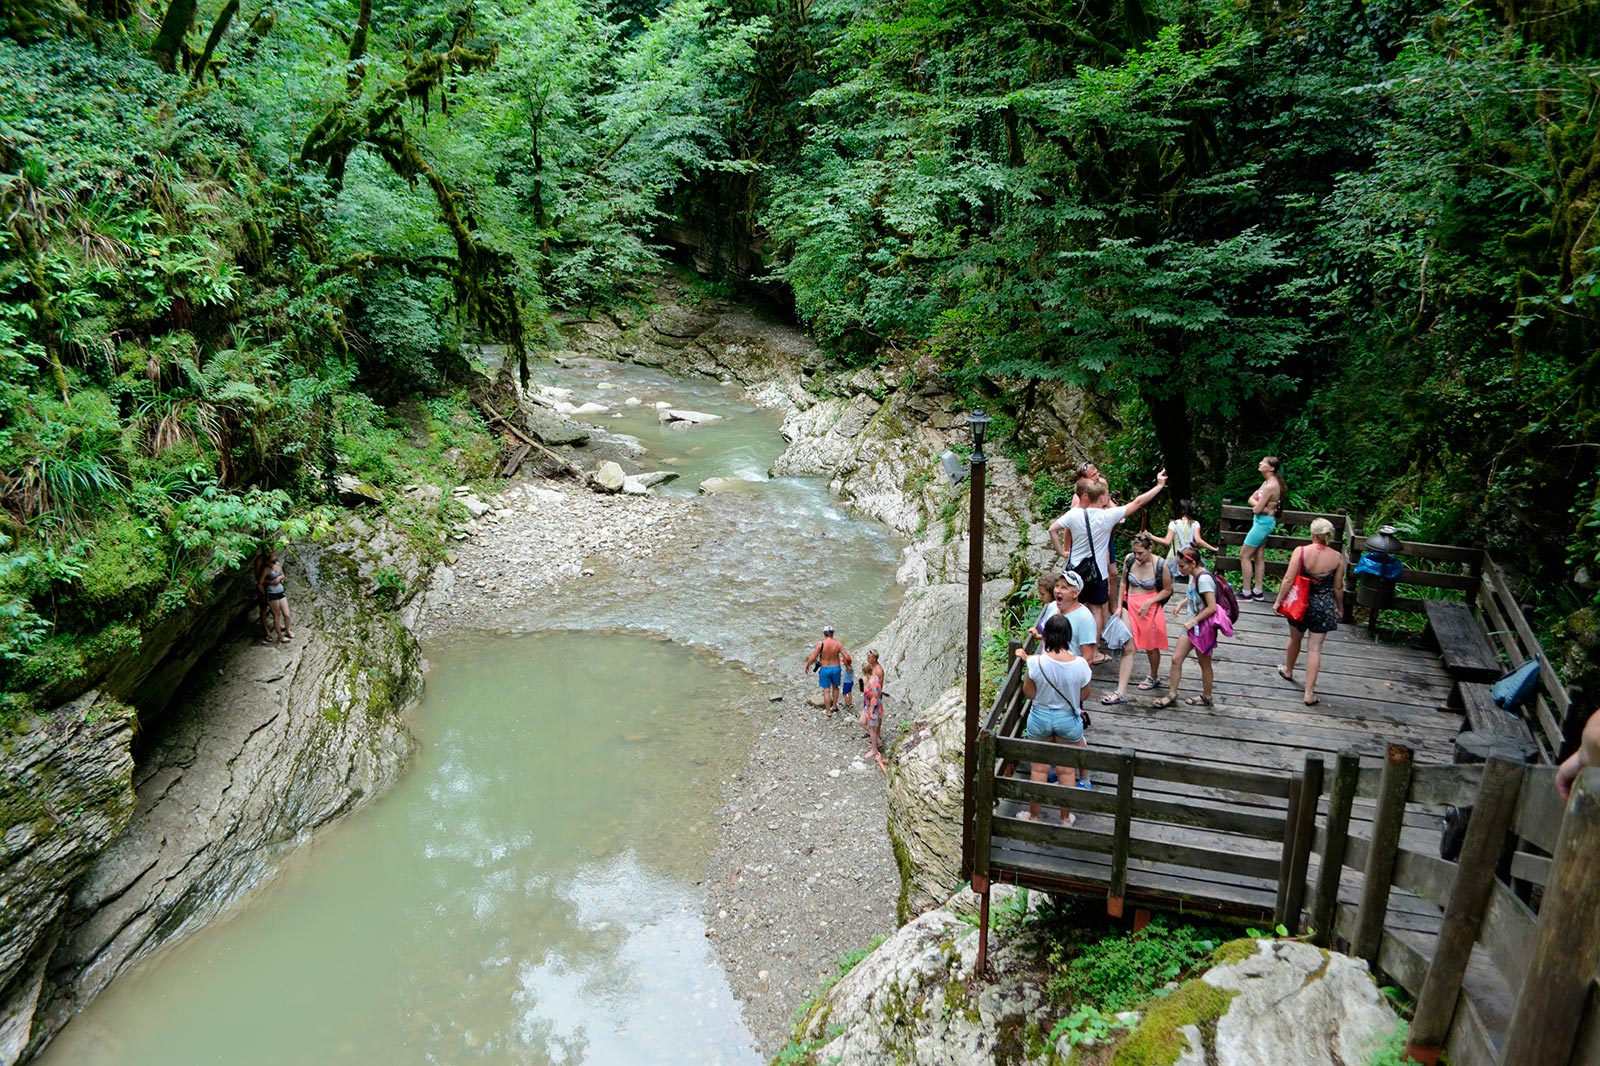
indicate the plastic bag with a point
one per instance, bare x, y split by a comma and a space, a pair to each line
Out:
1379, 564
1117, 633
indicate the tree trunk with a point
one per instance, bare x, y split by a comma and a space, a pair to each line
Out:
1170, 416
174, 28
218, 28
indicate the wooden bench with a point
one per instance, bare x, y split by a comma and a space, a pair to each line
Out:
1462, 642
1489, 730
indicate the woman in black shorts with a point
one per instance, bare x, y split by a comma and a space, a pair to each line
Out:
1325, 567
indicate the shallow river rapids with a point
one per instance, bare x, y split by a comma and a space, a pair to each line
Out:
528, 892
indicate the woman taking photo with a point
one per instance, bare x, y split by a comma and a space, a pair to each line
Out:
1056, 679
1147, 586
1266, 503
1199, 630
1324, 566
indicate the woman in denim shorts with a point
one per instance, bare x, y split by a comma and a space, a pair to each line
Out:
1055, 683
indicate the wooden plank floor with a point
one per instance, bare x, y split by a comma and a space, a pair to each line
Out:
1371, 694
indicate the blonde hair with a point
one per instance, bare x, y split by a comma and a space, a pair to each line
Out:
1321, 527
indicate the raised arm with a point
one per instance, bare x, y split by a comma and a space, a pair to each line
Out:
1146, 496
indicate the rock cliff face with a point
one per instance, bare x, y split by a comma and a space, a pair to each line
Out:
270, 742
925, 804
66, 793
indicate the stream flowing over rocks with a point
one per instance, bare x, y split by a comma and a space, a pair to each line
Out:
819, 853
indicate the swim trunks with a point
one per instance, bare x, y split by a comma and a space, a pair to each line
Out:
828, 677
1260, 529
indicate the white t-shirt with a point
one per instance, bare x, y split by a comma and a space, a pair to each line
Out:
1102, 520
1065, 685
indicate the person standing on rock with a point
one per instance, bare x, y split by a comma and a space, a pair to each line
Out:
829, 655
872, 707
270, 584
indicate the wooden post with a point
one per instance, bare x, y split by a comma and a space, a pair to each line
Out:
984, 810
1566, 948
980, 885
1305, 830
1386, 822
1121, 832
1492, 811
1291, 818
1325, 913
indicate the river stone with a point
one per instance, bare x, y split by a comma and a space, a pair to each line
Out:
551, 428
681, 416
609, 477
475, 507
914, 999
711, 486
634, 486
590, 408
657, 477
1296, 1003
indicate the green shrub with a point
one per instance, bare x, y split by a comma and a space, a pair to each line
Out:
1117, 972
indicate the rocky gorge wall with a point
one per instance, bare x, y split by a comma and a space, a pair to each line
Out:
106, 860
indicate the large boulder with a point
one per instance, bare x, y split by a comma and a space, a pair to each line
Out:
610, 477
551, 427
1290, 1002
924, 648
915, 1000
66, 793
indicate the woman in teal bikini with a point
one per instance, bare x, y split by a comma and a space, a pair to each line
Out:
1266, 503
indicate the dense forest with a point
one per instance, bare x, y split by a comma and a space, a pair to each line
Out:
243, 244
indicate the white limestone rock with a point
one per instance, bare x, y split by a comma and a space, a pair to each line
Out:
609, 477
1296, 1003
915, 1000
681, 416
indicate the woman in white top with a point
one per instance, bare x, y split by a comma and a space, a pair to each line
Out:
1182, 531
1055, 681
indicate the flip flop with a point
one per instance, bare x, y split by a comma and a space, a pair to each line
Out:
1312, 702
1149, 683
1286, 675
1198, 701
1112, 698
1166, 701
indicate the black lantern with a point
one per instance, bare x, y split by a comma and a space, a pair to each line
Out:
979, 422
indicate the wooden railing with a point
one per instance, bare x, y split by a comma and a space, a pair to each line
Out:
1521, 847
1505, 977
1503, 619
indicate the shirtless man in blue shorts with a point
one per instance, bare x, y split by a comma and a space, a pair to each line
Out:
831, 656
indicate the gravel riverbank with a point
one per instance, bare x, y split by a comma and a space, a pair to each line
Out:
804, 873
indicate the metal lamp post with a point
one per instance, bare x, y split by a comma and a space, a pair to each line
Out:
979, 423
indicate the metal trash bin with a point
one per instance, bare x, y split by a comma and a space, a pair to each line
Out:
1379, 573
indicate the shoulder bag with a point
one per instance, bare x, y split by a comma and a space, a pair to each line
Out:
1293, 606
1089, 567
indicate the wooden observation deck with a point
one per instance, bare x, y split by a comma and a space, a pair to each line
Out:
1327, 819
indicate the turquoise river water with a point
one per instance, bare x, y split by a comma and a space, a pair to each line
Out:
529, 891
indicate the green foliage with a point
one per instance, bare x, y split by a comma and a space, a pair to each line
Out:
1390, 1050
1087, 1025
1117, 972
